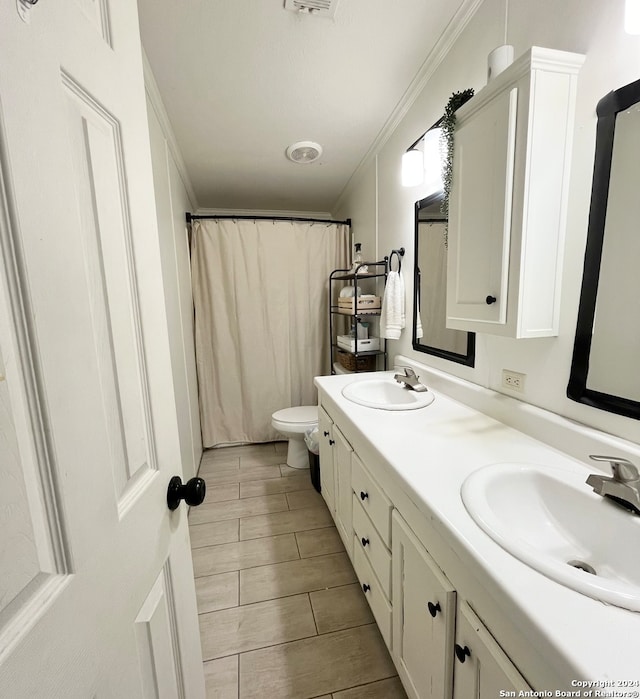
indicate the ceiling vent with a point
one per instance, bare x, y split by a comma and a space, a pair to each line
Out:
321, 8
304, 152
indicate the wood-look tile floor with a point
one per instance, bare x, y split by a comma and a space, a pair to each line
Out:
281, 613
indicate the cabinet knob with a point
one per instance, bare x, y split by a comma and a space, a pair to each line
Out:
332, 442
434, 608
462, 653
365, 587
490, 300
326, 434
364, 541
363, 495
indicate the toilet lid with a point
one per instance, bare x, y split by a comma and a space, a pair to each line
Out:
301, 413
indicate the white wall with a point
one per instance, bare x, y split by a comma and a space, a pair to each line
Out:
172, 201
376, 197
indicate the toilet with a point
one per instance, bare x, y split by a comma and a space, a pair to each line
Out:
293, 423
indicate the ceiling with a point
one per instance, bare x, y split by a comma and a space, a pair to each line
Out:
243, 79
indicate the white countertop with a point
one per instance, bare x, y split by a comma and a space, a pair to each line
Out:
430, 452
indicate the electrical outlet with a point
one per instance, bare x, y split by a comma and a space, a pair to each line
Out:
513, 380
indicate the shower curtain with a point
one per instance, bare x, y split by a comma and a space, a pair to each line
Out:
261, 319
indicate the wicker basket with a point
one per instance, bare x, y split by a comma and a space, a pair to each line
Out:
353, 363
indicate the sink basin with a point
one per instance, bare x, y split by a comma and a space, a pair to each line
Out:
552, 521
386, 394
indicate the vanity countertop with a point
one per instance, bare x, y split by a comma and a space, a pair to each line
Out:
430, 452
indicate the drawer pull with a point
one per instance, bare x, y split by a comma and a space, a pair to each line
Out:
332, 442
326, 434
490, 299
462, 653
363, 495
366, 588
364, 541
434, 608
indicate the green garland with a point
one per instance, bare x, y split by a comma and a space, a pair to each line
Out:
448, 126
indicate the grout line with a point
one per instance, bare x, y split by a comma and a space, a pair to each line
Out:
269, 645
295, 538
305, 638
313, 613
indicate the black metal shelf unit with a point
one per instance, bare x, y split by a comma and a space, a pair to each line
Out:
380, 270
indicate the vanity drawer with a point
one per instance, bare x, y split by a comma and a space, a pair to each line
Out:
374, 593
373, 547
374, 502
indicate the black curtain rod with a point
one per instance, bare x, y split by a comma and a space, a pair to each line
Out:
191, 217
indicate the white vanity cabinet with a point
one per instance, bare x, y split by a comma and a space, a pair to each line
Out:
416, 607
335, 476
327, 481
507, 207
424, 604
342, 454
371, 514
482, 670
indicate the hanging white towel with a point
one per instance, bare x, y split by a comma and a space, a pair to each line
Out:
419, 331
392, 317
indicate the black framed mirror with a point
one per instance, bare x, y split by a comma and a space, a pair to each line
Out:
430, 332
606, 352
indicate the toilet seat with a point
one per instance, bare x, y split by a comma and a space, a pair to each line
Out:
295, 420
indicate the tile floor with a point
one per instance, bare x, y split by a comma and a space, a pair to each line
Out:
281, 613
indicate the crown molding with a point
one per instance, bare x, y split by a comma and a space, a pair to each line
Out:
153, 93
447, 39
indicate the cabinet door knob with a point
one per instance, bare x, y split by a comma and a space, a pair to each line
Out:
332, 442
326, 434
490, 300
434, 608
363, 495
462, 653
364, 541
365, 587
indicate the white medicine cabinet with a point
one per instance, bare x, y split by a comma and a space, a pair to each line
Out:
507, 208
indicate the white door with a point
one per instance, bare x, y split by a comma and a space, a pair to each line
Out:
424, 611
96, 587
482, 670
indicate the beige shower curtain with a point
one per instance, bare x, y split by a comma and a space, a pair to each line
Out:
260, 290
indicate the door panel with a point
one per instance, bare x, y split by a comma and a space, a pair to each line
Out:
156, 641
100, 184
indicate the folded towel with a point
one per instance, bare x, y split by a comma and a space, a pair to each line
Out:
392, 317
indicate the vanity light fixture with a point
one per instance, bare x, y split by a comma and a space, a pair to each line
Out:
412, 167
632, 16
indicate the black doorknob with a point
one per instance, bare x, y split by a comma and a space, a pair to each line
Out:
433, 608
490, 300
462, 653
192, 492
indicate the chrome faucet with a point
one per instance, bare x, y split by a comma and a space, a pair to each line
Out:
623, 486
410, 380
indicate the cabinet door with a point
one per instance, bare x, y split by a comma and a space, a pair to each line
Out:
344, 502
325, 425
480, 214
424, 607
482, 670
